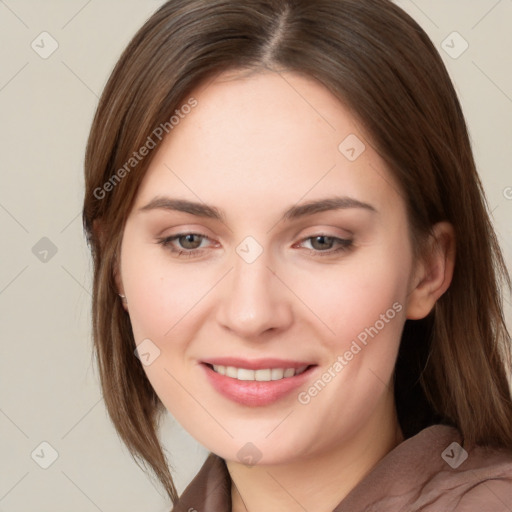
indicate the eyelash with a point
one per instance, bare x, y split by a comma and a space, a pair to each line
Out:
344, 245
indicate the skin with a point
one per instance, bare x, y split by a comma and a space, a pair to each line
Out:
253, 147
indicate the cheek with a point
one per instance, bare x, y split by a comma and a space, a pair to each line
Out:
363, 291
162, 308
362, 307
159, 297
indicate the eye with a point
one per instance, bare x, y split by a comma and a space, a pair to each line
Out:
323, 245
185, 244
190, 241
194, 244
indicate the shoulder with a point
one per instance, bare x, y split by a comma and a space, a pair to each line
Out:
462, 478
434, 471
489, 495
482, 481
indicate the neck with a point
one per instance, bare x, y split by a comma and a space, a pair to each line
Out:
319, 482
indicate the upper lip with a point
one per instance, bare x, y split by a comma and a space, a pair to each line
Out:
256, 364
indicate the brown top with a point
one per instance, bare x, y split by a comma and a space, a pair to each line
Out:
425, 473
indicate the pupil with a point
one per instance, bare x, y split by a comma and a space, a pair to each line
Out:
188, 242
324, 242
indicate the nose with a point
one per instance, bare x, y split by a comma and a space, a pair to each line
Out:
253, 301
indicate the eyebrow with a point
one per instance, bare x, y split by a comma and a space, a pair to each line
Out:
295, 212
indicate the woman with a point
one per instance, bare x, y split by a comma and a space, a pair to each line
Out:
292, 255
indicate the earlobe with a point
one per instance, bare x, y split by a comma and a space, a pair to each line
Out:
119, 282
434, 273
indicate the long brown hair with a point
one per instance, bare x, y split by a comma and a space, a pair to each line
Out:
452, 366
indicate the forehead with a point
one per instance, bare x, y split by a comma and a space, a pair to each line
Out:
265, 136
267, 112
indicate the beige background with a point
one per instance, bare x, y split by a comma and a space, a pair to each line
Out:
49, 388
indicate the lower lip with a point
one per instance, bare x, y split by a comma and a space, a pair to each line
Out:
255, 393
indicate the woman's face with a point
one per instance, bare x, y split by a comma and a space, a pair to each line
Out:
268, 236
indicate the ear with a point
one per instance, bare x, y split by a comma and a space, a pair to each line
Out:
433, 273
100, 234
119, 281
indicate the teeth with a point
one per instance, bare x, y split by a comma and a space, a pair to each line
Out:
220, 369
231, 371
244, 374
263, 375
277, 373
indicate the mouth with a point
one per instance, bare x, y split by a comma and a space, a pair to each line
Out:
260, 375
256, 383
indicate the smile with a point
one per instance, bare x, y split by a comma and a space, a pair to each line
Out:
261, 375
268, 381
